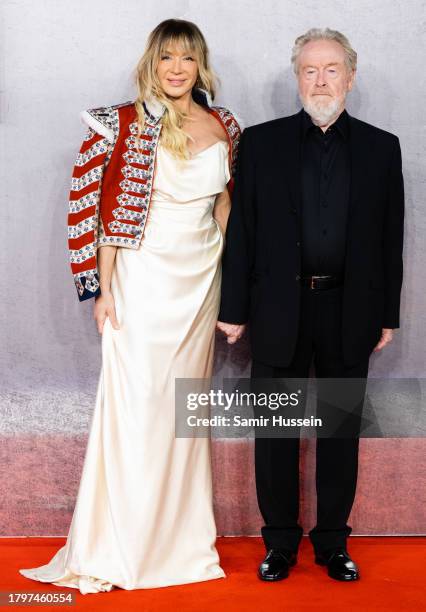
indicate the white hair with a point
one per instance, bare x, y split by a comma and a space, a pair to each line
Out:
324, 34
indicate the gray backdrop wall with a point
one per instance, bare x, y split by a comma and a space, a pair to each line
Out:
59, 58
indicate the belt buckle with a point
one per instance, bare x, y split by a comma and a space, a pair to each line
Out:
312, 286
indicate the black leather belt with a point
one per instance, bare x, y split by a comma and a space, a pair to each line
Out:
321, 282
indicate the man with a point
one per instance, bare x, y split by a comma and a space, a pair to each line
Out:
314, 263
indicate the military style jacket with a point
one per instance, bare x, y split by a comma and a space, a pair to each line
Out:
112, 181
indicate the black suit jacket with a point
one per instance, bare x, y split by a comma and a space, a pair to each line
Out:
262, 258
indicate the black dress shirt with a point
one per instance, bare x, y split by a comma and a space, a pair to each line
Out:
325, 196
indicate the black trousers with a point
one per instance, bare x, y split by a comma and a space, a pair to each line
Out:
277, 459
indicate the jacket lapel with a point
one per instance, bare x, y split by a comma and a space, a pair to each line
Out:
291, 162
358, 165
357, 217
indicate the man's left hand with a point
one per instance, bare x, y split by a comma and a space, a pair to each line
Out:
387, 336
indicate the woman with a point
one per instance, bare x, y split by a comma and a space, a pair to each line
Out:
151, 177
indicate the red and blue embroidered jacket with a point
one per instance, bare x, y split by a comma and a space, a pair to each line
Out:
112, 182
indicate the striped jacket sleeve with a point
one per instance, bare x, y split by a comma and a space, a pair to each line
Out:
83, 212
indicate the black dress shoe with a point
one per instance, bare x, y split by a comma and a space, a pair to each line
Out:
340, 565
276, 564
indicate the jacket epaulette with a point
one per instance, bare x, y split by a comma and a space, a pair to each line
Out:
112, 182
104, 119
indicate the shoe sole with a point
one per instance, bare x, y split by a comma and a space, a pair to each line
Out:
335, 577
272, 579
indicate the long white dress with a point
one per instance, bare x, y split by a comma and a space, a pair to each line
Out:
144, 515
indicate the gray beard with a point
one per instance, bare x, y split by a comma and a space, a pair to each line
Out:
320, 113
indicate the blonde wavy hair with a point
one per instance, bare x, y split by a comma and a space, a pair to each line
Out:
187, 35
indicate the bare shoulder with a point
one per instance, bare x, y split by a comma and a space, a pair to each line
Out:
216, 128
205, 127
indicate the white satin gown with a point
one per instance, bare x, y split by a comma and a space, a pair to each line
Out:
144, 511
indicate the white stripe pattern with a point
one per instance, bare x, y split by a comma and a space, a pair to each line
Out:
85, 226
90, 199
143, 144
132, 157
131, 172
128, 215
130, 200
126, 228
80, 255
77, 184
96, 149
127, 185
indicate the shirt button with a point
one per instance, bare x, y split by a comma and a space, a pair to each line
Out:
298, 243
298, 277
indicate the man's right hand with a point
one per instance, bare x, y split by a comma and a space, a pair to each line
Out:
231, 331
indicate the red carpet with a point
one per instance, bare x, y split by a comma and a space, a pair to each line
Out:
392, 579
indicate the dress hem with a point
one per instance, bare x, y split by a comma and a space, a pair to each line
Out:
106, 586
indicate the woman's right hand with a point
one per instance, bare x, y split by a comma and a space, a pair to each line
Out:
105, 307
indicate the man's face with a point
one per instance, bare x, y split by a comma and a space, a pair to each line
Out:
323, 79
